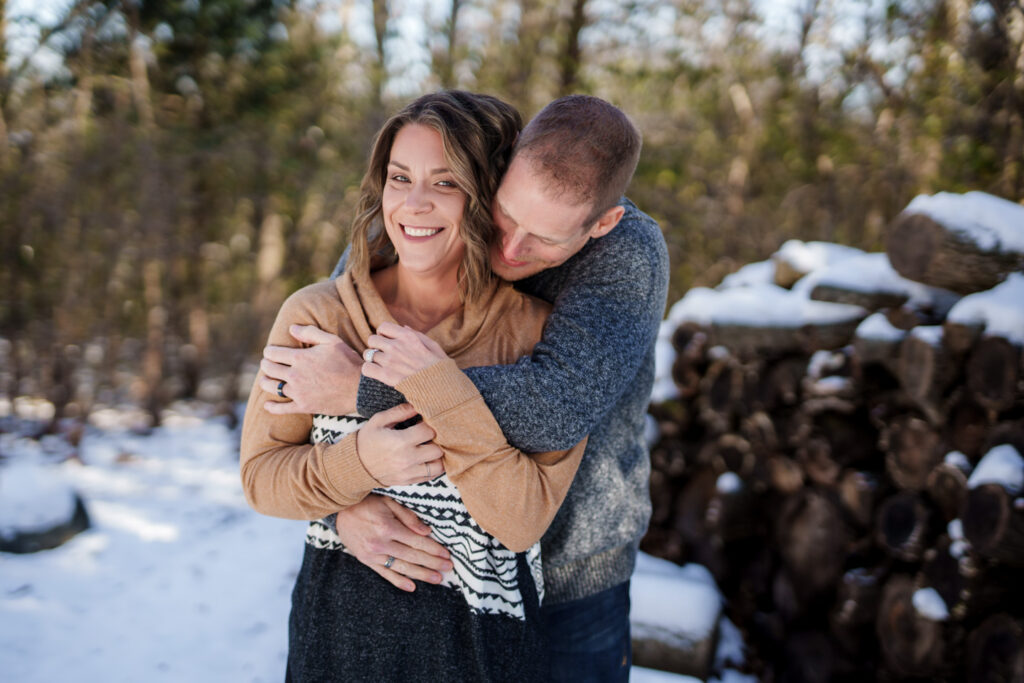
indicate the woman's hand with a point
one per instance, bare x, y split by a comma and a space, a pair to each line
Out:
397, 352
398, 457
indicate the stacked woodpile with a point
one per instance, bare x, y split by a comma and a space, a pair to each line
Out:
850, 468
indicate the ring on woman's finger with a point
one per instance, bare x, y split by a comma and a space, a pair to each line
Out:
427, 465
280, 389
391, 561
368, 355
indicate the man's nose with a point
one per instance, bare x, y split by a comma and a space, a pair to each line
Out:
512, 245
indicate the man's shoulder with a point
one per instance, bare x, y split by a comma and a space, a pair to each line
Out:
636, 243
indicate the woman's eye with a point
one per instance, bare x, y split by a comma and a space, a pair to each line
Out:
398, 177
447, 183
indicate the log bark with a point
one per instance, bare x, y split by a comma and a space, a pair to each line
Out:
911, 644
947, 488
913, 448
923, 250
994, 524
925, 371
966, 425
858, 493
960, 338
904, 526
870, 300
995, 650
858, 598
752, 341
993, 370
812, 540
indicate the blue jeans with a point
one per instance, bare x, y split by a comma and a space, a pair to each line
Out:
588, 639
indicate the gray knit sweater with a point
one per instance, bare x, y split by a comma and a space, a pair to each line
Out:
591, 374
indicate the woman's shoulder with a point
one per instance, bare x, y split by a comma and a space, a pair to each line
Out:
316, 302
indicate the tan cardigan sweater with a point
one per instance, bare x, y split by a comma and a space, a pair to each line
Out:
512, 495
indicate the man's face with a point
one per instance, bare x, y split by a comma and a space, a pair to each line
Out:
535, 232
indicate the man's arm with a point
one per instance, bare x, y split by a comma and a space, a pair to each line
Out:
608, 302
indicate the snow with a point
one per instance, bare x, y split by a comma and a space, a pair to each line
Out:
930, 334
638, 674
179, 580
994, 224
877, 326
750, 275
176, 580
1002, 465
823, 362
958, 460
728, 482
873, 273
930, 605
671, 603
805, 257
33, 497
1000, 309
759, 306
831, 386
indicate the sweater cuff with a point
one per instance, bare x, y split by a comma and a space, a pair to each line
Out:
438, 388
345, 470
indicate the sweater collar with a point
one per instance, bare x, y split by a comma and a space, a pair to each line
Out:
454, 334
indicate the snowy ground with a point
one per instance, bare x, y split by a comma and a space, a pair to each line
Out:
177, 580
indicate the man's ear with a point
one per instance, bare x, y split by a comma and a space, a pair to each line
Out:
608, 220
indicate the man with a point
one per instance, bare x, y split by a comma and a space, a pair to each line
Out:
564, 235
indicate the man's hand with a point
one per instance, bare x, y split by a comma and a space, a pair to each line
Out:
398, 457
378, 528
323, 378
400, 353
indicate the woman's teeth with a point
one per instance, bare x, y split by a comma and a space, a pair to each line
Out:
420, 232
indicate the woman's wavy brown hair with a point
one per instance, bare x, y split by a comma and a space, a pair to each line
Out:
477, 133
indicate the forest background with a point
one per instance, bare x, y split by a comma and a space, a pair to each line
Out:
170, 171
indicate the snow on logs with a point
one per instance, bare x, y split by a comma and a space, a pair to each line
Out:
841, 442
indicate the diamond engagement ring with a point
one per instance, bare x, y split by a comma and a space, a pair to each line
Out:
368, 355
391, 561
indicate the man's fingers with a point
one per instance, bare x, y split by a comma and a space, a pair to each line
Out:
410, 519
311, 334
397, 580
416, 571
283, 408
275, 370
284, 355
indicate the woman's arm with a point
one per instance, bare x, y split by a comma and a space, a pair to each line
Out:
512, 495
283, 475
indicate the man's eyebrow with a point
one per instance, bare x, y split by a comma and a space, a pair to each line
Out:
501, 207
433, 171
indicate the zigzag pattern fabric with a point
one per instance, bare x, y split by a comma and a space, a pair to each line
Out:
484, 570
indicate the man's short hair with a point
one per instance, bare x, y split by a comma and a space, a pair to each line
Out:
586, 148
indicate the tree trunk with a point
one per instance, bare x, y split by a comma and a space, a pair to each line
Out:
571, 56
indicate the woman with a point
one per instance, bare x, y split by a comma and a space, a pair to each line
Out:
418, 275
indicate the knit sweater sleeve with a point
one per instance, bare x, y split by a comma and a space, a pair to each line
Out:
513, 496
608, 303
283, 475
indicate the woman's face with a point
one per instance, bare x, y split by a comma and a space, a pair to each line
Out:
421, 205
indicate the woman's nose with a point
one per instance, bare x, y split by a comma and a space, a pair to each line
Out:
418, 198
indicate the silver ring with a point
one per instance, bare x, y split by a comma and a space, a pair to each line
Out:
391, 561
280, 389
368, 355
427, 464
